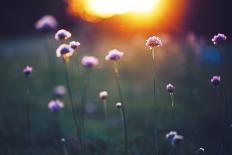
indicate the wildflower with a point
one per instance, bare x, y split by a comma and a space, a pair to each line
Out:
118, 104
27, 70
170, 135
215, 80
46, 23
59, 91
114, 55
170, 88
62, 35
74, 44
219, 38
177, 140
63, 140
89, 61
201, 150
103, 95
153, 41
65, 51
55, 105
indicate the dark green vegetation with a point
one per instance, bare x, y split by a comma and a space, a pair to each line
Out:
198, 114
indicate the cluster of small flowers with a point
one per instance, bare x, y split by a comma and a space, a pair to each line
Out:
174, 138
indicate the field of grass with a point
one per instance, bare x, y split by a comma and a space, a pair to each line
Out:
199, 113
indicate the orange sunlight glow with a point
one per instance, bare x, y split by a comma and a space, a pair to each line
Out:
134, 12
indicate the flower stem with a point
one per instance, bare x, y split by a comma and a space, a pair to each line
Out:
64, 146
28, 108
78, 134
122, 109
154, 100
172, 99
105, 109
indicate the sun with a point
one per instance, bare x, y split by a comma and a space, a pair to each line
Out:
95, 9
108, 8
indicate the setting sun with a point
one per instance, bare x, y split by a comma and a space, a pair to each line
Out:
107, 8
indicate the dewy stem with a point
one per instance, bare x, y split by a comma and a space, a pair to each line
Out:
122, 109
71, 101
172, 99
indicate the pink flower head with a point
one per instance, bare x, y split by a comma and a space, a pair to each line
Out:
64, 50
46, 23
114, 55
27, 70
74, 44
103, 95
215, 80
170, 88
219, 38
153, 42
89, 61
55, 105
62, 35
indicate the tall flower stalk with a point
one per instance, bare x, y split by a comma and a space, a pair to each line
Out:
63, 141
152, 43
103, 95
27, 71
115, 55
65, 51
222, 91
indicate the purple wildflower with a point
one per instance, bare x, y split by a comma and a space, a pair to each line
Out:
89, 61
170, 135
177, 140
62, 35
64, 50
170, 88
114, 55
59, 91
215, 80
55, 105
74, 44
46, 23
153, 41
219, 38
103, 95
27, 70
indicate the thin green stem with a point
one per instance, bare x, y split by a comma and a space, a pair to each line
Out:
28, 109
71, 101
105, 108
172, 99
64, 146
116, 73
154, 99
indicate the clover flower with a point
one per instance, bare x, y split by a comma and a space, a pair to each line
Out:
153, 41
59, 91
114, 55
62, 35
118, 104
170, 135
89, 61
64, 50
46, 23
27, 70
74, 44
219, 38
170, 88
55, 105
103, 95
215, 80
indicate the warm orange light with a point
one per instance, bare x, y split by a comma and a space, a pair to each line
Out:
132, 13
95, 9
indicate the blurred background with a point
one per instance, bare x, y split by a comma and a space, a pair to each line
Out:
188, 59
